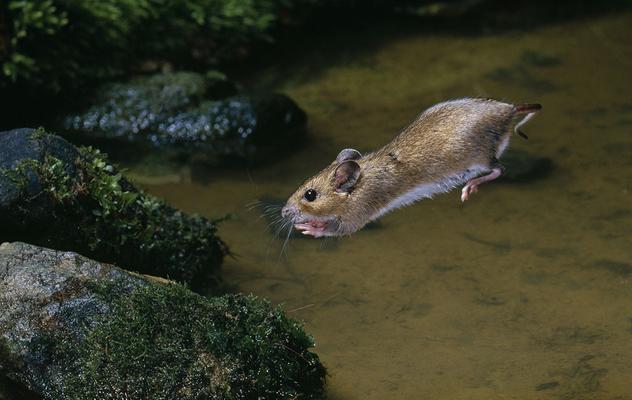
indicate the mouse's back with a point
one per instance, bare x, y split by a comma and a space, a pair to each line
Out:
454, 133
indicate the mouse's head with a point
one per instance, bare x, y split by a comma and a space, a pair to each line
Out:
326, 203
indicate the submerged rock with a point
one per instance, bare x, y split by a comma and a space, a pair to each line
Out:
181, 111
56, 195
72, 328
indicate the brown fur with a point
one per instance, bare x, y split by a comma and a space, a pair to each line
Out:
444, 141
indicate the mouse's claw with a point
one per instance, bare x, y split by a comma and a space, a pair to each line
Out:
310, 230
467, 191
472, 185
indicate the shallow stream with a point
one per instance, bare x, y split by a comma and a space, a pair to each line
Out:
525, 291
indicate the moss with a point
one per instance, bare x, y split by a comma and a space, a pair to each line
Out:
58, 183
165, 342
98, 213
38, 134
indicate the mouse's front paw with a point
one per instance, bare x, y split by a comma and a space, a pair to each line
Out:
310, 230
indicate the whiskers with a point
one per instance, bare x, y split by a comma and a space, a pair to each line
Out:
267, 208
277, 223
290, 222
270, 211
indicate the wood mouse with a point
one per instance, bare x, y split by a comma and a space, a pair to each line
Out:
451, 143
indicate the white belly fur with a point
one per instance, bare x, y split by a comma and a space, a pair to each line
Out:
427, 190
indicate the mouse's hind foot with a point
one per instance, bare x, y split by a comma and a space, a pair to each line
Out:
472, 185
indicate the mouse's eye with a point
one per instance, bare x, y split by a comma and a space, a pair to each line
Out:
310, 195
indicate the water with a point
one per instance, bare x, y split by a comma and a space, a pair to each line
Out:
525, 291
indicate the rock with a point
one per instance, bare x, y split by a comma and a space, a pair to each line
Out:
521, 166
21, 146
181, 112
14, 391
72, 328
56, 195
217, 84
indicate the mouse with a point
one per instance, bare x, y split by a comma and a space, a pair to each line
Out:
453, 143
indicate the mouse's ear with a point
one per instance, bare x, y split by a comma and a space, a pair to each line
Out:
348, 154
346, 176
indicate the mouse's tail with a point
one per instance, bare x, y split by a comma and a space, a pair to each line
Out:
529, 110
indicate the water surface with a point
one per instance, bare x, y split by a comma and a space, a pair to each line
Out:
524, 292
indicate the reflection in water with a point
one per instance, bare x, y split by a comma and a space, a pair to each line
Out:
525, 291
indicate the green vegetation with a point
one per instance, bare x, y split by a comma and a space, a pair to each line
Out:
59, 44
93, 210
73, 328
165, 342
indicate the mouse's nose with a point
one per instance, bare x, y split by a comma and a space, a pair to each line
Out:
288, 211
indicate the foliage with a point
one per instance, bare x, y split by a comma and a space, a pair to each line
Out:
30, 19
99, 213
58, 44
165, 342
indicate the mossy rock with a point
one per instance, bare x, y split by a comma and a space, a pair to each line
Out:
128, 110
180, 112
59, 196
77, 329
11, 390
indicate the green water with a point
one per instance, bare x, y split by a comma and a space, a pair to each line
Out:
524, 292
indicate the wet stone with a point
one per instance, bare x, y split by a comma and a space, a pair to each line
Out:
195, 115
64, 314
